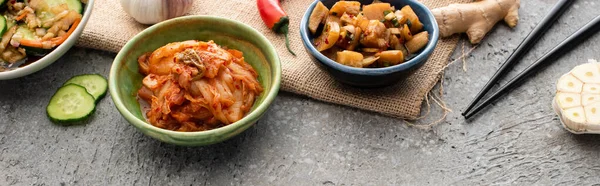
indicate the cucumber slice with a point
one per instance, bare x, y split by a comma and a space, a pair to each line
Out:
95, 84
70, 103
27, 33
38, 52
9, 22
3, 27
43, 7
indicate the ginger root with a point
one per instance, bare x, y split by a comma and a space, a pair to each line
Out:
477, 18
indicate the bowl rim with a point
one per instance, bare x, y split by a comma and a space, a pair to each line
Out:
56, 53
246, 120
421, 57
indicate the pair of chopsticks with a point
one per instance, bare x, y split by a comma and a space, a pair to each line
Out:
563, 47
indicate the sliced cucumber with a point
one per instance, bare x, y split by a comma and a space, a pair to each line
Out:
39, 52
3, 26
70, 103
9, 22
95, 84
43, 7
27, 33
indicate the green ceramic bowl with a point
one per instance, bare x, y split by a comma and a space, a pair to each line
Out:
125, 80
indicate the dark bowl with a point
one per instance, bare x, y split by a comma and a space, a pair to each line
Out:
373, 77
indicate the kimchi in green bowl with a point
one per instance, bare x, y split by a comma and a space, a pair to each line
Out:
125, 78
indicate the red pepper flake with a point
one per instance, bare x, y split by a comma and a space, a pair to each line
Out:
351, 16
326, 40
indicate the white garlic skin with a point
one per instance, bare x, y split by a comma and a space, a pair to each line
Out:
154, 11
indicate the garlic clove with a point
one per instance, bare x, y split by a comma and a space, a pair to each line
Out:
568, 100
568, 83
154, 11
587, 73
592, 113
591, 88
587, 99
574, 119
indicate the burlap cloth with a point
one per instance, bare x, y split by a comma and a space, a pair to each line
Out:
110, 28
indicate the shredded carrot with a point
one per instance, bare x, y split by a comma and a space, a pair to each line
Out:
55, 41
61, 39
31, 43
23, 15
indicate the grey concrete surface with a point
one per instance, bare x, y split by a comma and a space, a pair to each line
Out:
300, 141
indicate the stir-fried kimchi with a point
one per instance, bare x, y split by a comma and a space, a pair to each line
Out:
196, 86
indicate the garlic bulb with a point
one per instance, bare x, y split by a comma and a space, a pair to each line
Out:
154, 11
577, 100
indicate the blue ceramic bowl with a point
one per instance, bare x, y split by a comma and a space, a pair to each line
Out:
373, 77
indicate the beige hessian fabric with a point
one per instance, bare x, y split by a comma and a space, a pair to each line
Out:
110, 28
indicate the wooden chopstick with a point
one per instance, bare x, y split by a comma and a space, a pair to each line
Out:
565, 46
523, 48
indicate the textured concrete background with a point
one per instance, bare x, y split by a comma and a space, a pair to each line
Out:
305, 142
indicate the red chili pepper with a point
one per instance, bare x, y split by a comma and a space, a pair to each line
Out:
275, 18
